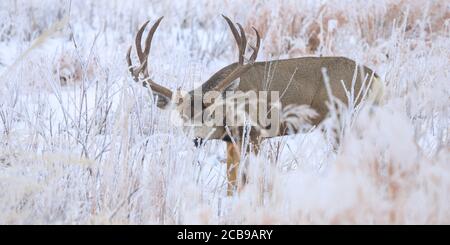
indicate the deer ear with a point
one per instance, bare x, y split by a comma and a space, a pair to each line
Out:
233, 86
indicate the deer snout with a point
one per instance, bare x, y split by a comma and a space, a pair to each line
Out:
198, 142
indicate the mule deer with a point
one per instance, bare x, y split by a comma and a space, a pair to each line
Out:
300, 81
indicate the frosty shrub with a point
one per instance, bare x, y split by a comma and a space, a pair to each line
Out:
81, 143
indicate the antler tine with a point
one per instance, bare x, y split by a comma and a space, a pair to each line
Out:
241, 67
255, 49
233, 30
235, 74
242, 45
148, 43
130, 64
138, 41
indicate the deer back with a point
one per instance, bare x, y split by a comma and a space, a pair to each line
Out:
300, 81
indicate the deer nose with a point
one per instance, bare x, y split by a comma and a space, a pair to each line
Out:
198, 142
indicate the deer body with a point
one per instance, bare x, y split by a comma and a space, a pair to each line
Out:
298, 81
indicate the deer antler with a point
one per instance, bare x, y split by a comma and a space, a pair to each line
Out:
142, 69
241, 41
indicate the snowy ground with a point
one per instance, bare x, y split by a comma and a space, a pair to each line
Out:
94, 149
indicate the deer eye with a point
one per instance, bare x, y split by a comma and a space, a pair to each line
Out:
179, 101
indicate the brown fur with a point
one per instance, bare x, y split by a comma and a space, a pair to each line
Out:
300, 81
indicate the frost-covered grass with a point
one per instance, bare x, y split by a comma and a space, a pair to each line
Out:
91, 148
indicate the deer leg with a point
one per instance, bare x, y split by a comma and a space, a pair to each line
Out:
233, 160
254, 148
